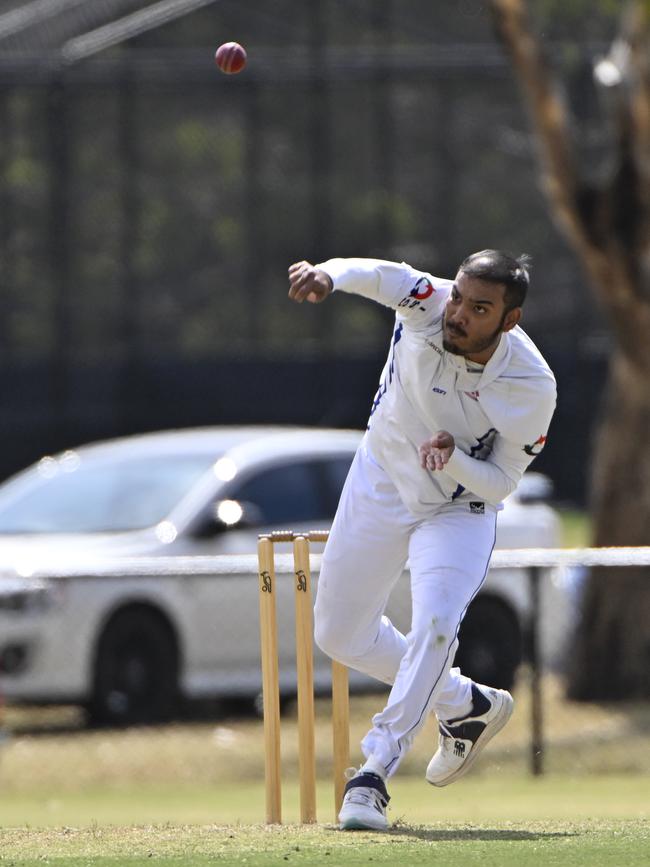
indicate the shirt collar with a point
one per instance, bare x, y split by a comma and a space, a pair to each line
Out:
498, 362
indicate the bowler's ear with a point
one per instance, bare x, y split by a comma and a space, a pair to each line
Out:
512, 318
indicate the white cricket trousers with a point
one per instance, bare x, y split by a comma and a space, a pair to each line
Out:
372, 537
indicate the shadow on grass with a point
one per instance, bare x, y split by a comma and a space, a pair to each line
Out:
65, 720
501, 834
440, 835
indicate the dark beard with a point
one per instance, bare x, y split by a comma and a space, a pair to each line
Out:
475, 348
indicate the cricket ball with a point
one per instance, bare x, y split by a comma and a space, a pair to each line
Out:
230, 57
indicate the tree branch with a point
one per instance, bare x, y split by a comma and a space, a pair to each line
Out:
636, 31
560, 177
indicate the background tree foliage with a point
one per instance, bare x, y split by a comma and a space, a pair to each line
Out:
606, 218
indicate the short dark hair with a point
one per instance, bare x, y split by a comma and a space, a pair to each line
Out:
496, 266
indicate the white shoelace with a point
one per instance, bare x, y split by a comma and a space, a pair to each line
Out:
366, 797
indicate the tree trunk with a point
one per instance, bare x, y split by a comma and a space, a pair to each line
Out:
609, 229
611, 653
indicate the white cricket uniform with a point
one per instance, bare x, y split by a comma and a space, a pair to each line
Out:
443, 522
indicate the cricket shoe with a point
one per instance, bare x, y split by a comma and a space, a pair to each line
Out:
461, 740
364, 803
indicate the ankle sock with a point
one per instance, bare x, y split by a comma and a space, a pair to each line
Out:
372, 766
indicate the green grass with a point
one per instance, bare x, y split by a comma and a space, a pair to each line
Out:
590, 821
489, 798
47, 753
576, 528
588, 844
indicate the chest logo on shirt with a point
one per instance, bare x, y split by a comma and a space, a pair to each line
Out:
536, 447
438, 390
477, 508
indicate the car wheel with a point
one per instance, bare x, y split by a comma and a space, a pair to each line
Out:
136, 671
490, 643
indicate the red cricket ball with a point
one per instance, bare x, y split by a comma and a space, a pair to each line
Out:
230, 57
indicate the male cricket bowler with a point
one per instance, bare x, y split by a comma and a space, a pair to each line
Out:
463, 407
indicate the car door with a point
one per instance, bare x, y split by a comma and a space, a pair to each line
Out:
300, 495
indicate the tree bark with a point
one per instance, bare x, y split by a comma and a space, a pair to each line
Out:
611, 656
609, 229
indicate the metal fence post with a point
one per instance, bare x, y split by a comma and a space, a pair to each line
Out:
536, 721
58, 124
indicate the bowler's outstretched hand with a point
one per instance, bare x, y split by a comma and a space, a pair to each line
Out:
435, 452
307, 283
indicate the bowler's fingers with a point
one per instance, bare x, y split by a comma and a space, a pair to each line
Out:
308, 283
436, 461
433, 458
302, 277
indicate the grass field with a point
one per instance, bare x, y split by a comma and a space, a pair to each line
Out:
589, 822
192, 794
576, 528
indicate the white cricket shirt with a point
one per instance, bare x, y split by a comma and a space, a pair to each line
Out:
499, 414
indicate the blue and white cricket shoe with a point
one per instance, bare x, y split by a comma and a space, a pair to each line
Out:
364, 803
461, 740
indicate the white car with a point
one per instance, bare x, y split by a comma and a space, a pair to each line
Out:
129, 647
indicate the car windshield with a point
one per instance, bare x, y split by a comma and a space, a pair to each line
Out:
71, 494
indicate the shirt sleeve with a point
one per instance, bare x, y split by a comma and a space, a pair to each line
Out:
417, 297
494, 478
525, 416
498, 475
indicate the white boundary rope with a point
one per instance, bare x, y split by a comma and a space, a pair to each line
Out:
246, 564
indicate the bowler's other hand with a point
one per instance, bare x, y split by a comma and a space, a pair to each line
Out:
307, 283
435, 452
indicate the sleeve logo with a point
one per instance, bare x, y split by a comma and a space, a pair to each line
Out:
536, 447
422, 289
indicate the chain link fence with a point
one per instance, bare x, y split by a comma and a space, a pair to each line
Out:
151, 207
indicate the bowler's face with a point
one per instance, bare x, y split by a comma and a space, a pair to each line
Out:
475, 317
